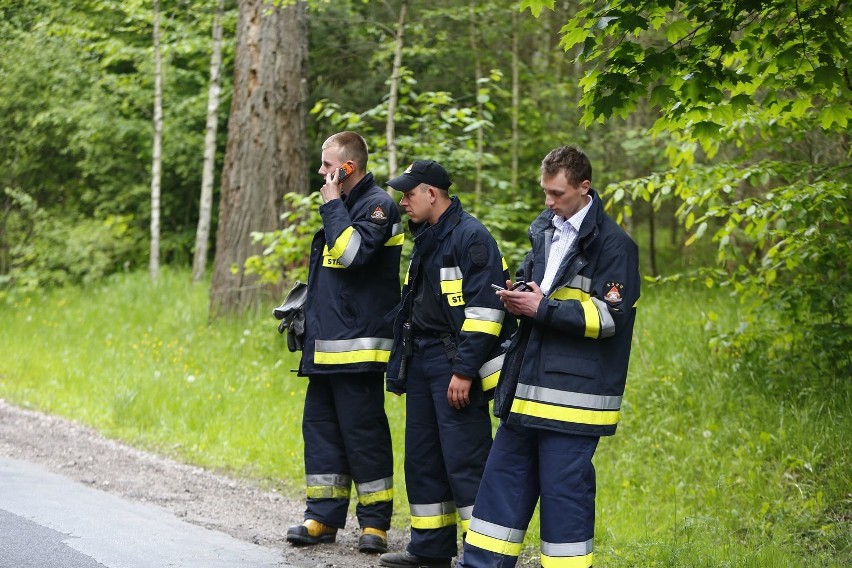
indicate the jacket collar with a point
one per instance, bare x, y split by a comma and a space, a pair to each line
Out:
446, 222
360, 188
593, 218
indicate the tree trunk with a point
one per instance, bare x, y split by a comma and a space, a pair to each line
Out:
202, 234
393, 97
477, 71
154, 262
516, 98
266, 155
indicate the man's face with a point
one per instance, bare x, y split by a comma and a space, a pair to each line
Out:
561, 197
417, 203
330, 160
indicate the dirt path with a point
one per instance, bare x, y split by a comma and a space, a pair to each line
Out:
234, 506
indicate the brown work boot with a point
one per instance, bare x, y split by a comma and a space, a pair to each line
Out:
373, 540
310, 532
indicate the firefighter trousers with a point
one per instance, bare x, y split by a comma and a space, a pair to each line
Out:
445, 452
525, 465
347, 439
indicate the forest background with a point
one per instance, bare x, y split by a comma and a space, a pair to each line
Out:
718, 132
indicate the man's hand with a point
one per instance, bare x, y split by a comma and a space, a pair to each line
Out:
521, 303
458, 395
331, 189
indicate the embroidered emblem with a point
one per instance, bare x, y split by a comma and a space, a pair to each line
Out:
378, 214
613, 296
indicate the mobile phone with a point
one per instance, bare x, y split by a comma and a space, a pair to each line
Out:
521, 286
344, 171
496, 287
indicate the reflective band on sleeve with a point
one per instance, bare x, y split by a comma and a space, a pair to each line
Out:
567, 555
346, 246
505, 264
361, 350
569, 294
581, 282
483, 320
593, 322
607, 323
451, 280
581, 399
495, 538
490, 372
329, 261
378, 491
563, 414
464, 515
328, 486
433, 515
397, 236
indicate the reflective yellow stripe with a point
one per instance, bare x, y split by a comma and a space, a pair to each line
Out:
567, 561
434, 522
465, 525
563, 414
451, 286
395, 241
492, 544
480, 326
377, 497
360, 356
505, 264
593, 322
490, 381
569, 294
346, 246
329, 261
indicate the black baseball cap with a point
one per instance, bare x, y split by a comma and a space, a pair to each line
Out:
429, 172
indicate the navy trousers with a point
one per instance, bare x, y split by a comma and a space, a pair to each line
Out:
347, 439
445, 452
525, 465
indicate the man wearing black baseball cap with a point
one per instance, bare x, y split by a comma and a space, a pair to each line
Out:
446, 358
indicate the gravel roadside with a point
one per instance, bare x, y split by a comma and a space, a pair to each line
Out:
237, 507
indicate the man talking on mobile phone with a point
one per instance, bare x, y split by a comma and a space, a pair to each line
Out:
353, 284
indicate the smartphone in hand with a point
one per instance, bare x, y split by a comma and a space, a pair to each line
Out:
520, 285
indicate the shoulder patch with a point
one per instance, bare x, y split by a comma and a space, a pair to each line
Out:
613, 292
478, 254
378, 215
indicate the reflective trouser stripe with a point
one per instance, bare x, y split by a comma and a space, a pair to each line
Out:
490, 372
328, 486
377, 491
361, 350
346, 246
433, 516
464, 517
567, 554
563, 414
495, 538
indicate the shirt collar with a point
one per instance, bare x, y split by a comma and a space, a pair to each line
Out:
563, 224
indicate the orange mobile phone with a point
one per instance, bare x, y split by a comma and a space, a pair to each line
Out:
344, 171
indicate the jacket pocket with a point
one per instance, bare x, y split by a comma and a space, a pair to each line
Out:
572, 366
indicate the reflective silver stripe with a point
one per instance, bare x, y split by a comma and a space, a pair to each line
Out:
433, 509
499, 532
607, 324
451, 273
396, 229
581, 282
568, 548
359, 344
580, 399
492, 366
351, 249
484, 314
375, 486
328, 480
465, 512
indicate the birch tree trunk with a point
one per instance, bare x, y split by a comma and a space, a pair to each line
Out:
266, 155
156, 166
393, 97
516, 98
477, 70
202, 234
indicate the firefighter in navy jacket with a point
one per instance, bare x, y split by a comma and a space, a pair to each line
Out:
563, 375
446, 358
353, 286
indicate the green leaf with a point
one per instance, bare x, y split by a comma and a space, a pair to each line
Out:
677, 30
834, 114
535, 6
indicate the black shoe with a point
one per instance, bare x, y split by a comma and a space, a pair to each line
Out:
373, 540
311, 532
407, 560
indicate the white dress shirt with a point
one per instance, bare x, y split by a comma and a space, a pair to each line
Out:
566, 233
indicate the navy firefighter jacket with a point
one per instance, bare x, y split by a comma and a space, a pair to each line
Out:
462, 260
353, 283
566, 368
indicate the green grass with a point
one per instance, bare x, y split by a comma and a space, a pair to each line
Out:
710, 468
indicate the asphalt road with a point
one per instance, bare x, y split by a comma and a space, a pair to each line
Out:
49, 521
